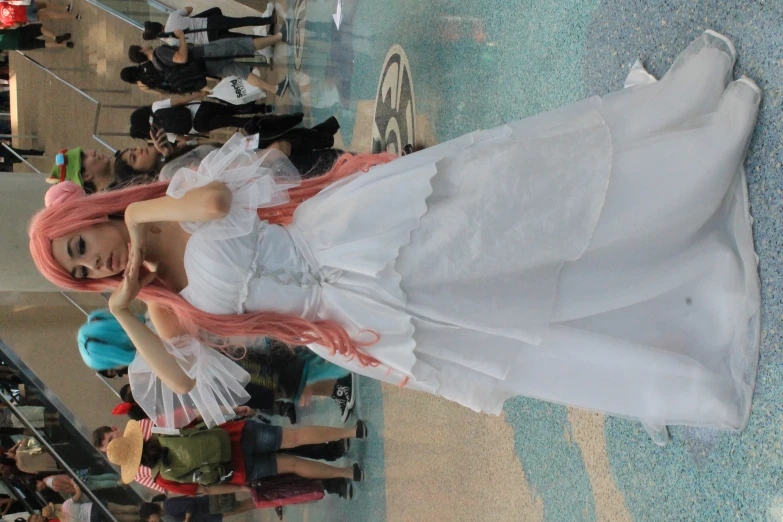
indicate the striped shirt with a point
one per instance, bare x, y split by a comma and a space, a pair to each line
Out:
144, 475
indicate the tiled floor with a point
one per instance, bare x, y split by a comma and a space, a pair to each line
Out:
447, 67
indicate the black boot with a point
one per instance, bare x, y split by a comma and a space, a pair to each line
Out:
330, 126
273, 125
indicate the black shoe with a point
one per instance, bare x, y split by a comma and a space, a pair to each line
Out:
346, 490
339, 486
358, 474
344, 395
286, 409
69, 45
284, 30
330, 126
68, 9
407, 149
62, 37
282, 87
279, 511
361, 430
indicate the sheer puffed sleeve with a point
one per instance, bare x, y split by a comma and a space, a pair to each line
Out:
219, 386
257, 179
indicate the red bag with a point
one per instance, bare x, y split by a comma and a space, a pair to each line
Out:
282, 490
12, 14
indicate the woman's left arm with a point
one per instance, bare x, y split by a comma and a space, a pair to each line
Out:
212, 201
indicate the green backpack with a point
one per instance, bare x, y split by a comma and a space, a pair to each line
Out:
197, 456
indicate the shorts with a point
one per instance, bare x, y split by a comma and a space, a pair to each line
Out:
32, 12
219, 57
260, 441
28, 37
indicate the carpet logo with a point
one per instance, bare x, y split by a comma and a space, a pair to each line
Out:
394, 123
300, 21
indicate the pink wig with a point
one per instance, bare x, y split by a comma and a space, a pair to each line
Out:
73, 214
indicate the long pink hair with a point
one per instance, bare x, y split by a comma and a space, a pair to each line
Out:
70, 216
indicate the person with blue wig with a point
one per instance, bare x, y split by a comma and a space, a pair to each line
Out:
103, 343
278, 371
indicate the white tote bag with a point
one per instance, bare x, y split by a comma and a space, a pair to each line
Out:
236, 91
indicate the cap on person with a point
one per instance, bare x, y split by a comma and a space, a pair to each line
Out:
67, 167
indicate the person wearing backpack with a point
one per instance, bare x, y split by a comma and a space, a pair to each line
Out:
184, 116
186, 67
228, 458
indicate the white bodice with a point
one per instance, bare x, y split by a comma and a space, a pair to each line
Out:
262, 270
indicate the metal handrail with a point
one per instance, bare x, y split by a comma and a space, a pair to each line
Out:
12, 151
42, 440
107, 383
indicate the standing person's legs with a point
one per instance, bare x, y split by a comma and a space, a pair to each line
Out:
29, 152
311, 469
319, 434
102, 481
222, 22
212, 116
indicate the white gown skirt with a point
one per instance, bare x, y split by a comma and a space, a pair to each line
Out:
600, 256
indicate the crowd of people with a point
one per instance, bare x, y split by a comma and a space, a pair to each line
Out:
545, 258
277, 465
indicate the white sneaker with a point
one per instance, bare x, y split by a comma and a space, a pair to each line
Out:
270, 9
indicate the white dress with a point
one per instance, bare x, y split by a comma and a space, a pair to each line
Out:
599, 256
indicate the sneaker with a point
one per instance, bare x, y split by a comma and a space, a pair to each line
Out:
284, 30
344, 389
358, 473
69, 45
270, 10
282, 87
279, 512
345, 410
63, 38
345, 491
69, 7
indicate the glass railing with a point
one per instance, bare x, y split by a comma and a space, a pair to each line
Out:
45, 440
135, 11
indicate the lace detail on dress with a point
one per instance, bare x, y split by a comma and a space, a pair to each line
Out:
281, 276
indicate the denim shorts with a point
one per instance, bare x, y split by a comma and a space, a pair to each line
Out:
260, 441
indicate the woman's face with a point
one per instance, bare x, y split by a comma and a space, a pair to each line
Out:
94, 252
141, 159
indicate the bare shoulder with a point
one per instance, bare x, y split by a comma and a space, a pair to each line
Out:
165, 322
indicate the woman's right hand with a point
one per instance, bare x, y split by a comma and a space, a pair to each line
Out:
161, 142
129, 288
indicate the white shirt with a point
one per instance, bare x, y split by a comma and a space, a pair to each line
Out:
166, 104
180, 20
75, 512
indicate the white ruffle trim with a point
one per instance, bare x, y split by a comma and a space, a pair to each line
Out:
218, 390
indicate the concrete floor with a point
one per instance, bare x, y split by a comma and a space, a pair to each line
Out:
460, 66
